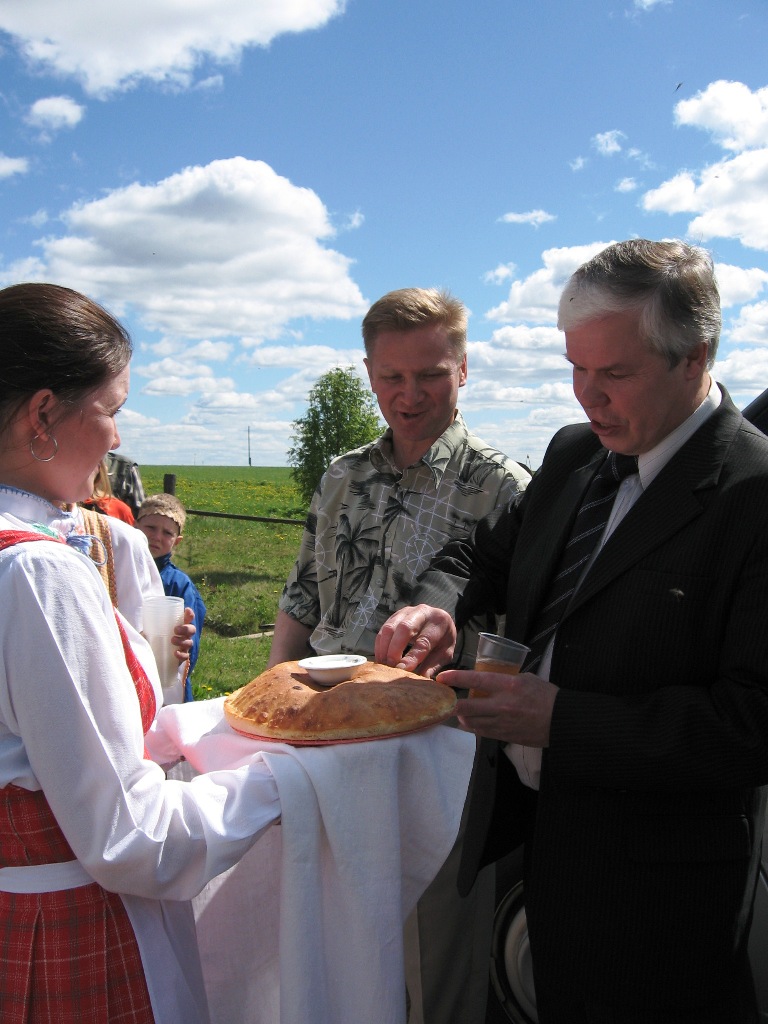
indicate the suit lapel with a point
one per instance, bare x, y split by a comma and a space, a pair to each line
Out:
677, 496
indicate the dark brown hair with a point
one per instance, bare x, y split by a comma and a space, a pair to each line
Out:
54, 337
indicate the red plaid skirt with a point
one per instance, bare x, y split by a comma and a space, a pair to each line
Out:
66, 957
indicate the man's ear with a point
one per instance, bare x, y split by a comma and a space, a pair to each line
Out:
370, 377
463, 371
696, 361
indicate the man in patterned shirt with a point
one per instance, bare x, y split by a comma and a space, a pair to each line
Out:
378, 517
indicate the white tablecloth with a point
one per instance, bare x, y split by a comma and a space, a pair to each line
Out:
307, 928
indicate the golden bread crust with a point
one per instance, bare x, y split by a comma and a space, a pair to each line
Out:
283, 704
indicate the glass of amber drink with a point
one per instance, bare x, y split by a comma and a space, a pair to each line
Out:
497, 654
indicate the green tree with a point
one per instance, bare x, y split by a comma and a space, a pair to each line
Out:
341, 415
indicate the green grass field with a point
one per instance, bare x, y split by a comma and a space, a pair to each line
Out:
238, 566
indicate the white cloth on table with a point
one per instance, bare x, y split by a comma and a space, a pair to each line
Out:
365, 827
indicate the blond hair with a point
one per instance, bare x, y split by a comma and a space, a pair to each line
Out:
409, 308
102, 488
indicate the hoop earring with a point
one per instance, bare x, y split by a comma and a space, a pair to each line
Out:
35, 456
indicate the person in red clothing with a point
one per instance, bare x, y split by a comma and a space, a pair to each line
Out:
103, 500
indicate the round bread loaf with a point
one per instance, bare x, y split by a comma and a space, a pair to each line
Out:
283, 704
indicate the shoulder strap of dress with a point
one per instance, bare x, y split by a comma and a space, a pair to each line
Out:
10, 537
143, 686
98, 526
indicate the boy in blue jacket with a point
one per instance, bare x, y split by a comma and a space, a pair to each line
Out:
161, 518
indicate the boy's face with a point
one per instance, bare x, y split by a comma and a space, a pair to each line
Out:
161, 532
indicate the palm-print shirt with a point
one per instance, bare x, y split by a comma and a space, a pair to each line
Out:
373, 529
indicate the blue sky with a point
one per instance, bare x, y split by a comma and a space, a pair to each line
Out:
239, 179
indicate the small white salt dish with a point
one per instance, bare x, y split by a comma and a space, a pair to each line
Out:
329, 669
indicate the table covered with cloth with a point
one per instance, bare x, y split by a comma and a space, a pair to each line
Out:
308, 926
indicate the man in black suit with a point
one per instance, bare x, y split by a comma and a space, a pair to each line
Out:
640, 740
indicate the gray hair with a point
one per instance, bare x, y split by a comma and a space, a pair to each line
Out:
671, 284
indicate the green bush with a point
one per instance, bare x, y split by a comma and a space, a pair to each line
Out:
341, 415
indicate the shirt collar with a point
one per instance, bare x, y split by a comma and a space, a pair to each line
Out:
436, 458
40, 513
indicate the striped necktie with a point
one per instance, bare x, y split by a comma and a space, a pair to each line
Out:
588, 526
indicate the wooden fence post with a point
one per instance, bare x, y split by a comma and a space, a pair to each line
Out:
169, 483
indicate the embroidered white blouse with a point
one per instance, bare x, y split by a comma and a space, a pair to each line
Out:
70, 725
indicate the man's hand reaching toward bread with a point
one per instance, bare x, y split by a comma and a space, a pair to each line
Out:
418, 638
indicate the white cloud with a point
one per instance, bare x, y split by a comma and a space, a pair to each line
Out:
319, 357
210, 84
354, 220
180, 385
626, 185
535, 298
639, 156
677, 195
519, 390
578, 164
736, 117
739, 284
215, 351
647, 5
10, 165
534, 217
751, 328
180, 374
37, 219
521, 347
109, 46
608, 143
558, 393
289, 391
744, 371
53, 113
502, 273
727, 197
230, 248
